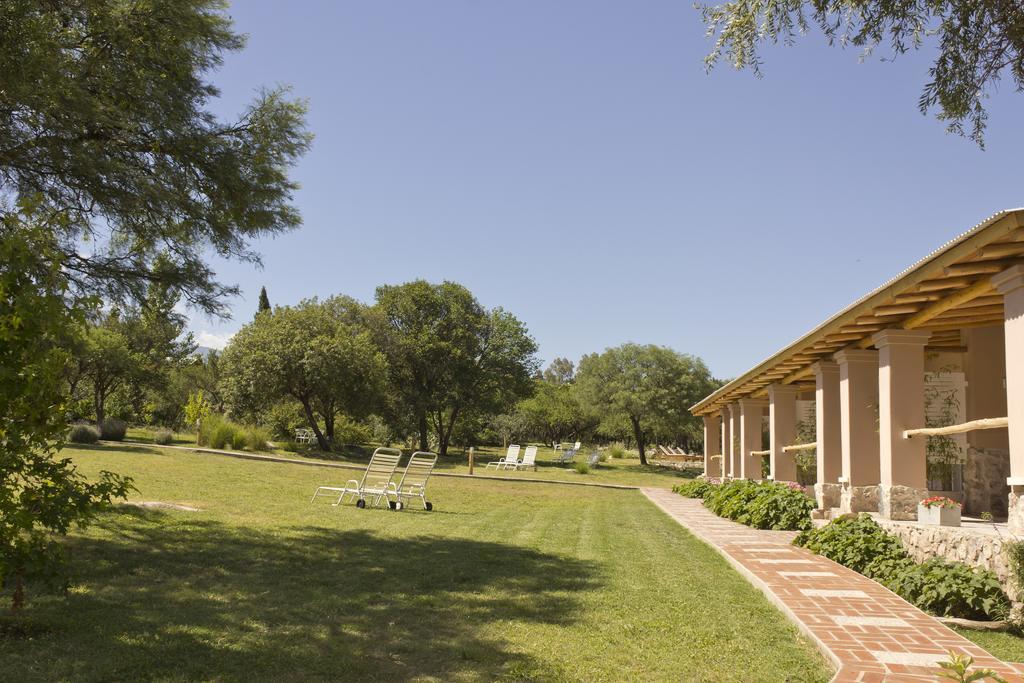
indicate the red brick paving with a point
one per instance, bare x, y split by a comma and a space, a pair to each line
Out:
868, 632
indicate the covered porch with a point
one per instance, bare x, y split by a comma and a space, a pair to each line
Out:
915, 389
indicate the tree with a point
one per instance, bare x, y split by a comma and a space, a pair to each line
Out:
553, 413
110, 155
105, 122
41, 495
108, 361
264, 303
979, 41
561, 371
311, 353
448, 356
650, 386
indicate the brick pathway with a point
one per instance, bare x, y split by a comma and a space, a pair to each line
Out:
868, 632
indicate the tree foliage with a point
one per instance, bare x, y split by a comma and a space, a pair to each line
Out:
979, 42
105, 122
449, 357
312, 353
40, 494
649, 387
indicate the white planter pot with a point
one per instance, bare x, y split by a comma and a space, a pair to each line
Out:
938, 516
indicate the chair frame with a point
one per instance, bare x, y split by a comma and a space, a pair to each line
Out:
402, 491
383, 461
511, 458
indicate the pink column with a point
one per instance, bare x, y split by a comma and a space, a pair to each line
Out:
858, 402
782, 423
1010, 284
726, 443
712, 450
751, 418
904, 480
830, 450
736, 466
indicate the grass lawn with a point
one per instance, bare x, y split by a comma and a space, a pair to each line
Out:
1008, 647
627, 471
502, 581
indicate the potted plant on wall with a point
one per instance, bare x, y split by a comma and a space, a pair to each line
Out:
938, 511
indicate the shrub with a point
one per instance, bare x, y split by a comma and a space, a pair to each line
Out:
761, 505
857, 542
347, 430
698, 488
163, 436
950, 589
291, 445
617, 451
83, 433
256, 439
113, 429
582, 468
239, 438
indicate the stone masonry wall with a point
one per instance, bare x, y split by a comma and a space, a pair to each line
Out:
985, 473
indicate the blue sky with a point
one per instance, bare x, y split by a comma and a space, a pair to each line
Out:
573, 163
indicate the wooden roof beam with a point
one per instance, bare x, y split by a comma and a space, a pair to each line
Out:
979, 288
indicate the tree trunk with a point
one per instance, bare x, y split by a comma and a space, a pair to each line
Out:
18, 598
99, 400
444, 436
641, 445
424, 431
329, 426
311, 418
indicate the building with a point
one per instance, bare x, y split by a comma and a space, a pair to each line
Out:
939, 345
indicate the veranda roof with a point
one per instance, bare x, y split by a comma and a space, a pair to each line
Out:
944, 292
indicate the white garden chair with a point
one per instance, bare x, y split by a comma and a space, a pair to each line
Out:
413, 483
375, 481
511, 458
529, 459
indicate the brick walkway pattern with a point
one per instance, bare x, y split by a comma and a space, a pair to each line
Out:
868, 632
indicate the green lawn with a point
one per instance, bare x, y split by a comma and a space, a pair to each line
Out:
524, 582
1008, 647
627, 471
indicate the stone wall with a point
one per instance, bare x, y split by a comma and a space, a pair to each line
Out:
985, 473
958, 545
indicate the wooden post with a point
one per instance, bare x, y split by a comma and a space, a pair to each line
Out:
471, 460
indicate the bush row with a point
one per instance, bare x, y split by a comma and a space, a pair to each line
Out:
762, 505
950, 589
216, 431
109, 430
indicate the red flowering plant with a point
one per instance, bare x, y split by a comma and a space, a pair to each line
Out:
939, 502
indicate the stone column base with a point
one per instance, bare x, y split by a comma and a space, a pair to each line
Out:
860, 499
827, 496
1015, 515
899, 502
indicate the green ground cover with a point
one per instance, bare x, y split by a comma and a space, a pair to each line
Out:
1008, 647
501, 582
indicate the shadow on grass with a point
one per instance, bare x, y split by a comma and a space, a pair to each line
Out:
197, 599
115, 446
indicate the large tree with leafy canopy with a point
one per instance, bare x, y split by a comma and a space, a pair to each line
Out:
978, 42
649, 386
110, 156
314, 353
450, 357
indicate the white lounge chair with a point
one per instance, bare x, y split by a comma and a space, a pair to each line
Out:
594, 458
413, 483
568, 454
529, 459
511, 458
375, 481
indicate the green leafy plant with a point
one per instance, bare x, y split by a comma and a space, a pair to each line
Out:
617, 451
197, 409
582, 468
113, 429
943, 453
951, 589
946, 588
957, 668
83, 433
765, 505
697, 488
